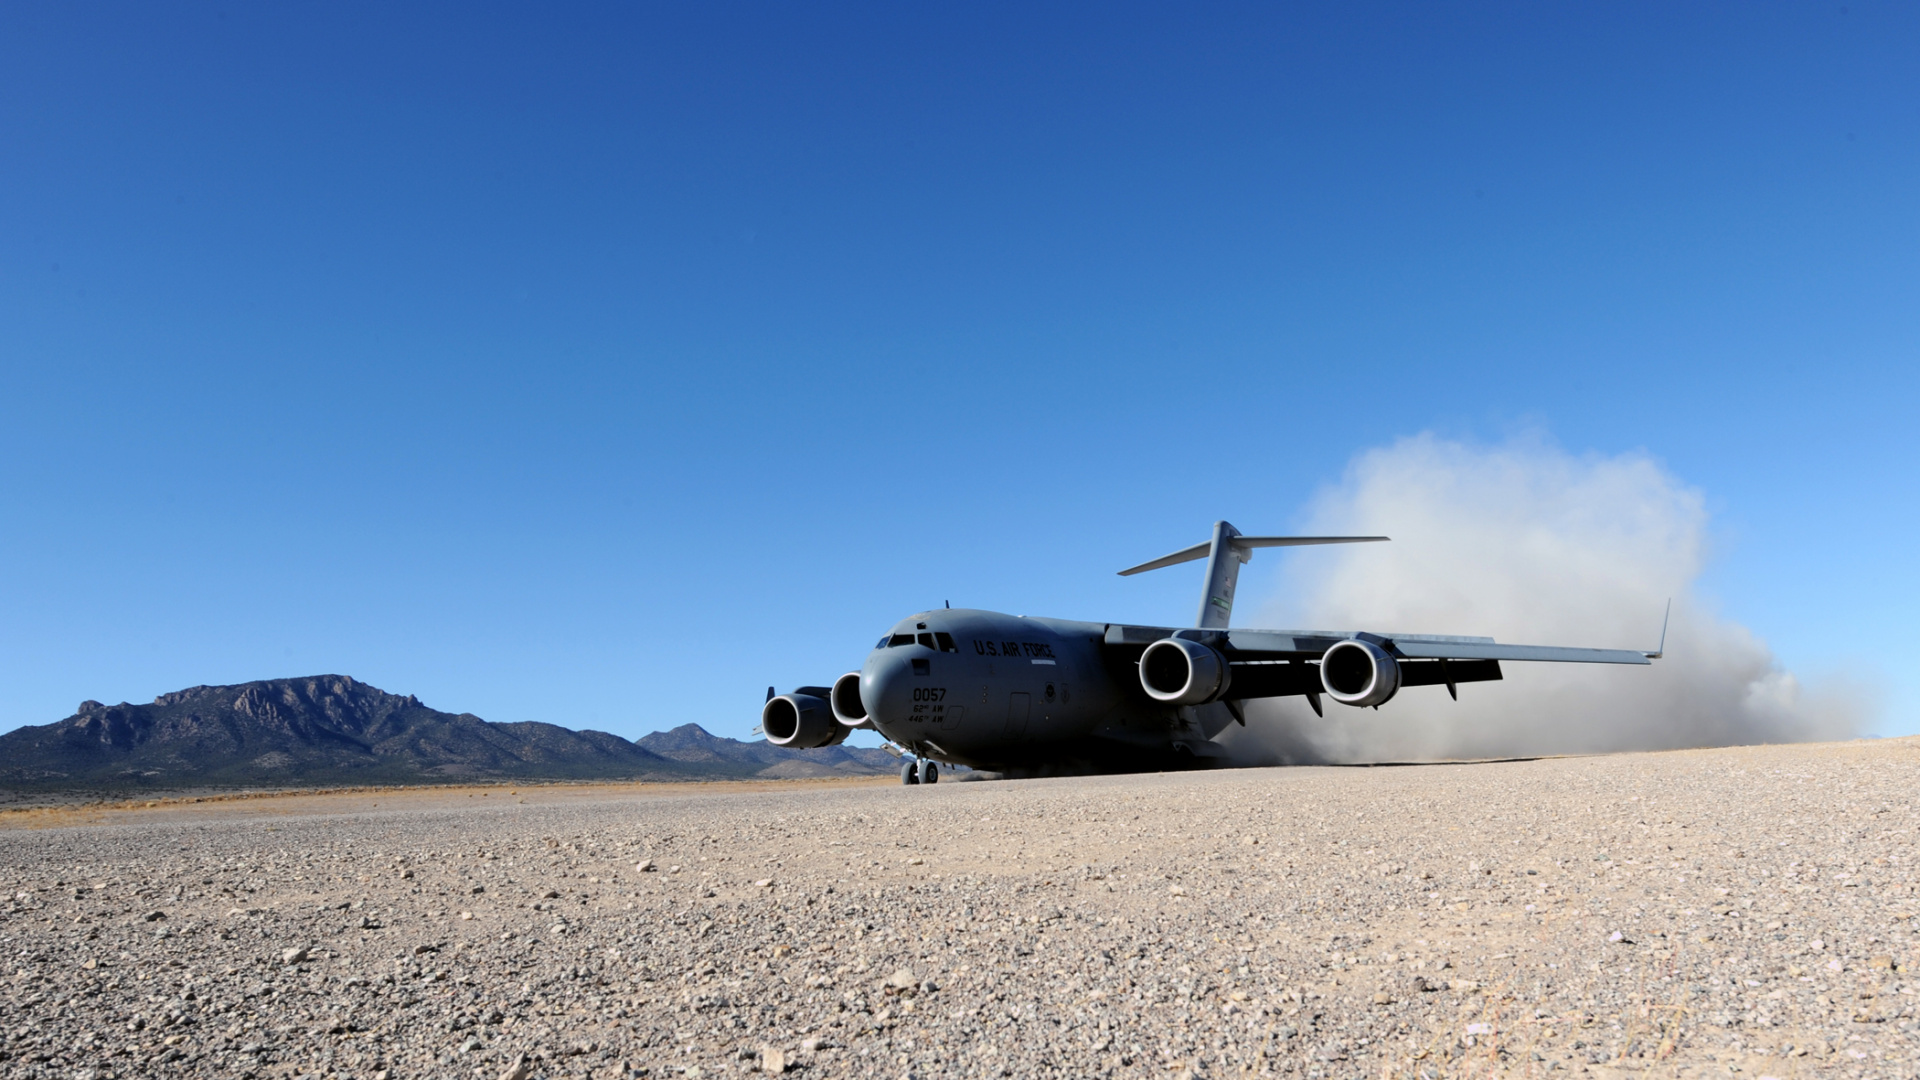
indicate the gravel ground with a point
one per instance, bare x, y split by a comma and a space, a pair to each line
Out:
1705, 912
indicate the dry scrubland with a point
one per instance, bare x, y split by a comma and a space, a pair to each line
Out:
1712, 912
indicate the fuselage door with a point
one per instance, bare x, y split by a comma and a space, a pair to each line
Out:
1018, 707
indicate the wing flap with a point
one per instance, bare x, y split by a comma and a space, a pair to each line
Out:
1265, 680
1444, 672
1268, 679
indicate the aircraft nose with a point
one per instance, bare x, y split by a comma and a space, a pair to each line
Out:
886, 687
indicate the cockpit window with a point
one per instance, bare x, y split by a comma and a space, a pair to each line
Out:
946, 641
883, 642
899, 640
927, 640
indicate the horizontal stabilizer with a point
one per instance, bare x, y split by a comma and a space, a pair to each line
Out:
1244, 544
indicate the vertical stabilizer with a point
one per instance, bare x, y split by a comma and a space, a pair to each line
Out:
1223, 573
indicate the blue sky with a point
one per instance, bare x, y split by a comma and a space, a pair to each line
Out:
602, 365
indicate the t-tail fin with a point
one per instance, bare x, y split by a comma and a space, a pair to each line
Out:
1224, 554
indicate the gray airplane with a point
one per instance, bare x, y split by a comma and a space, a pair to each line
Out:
1028, 697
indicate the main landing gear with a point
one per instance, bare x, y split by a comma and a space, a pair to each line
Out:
924, 772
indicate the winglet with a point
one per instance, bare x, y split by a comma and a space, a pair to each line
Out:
1662, 650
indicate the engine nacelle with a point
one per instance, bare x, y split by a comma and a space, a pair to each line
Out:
802, 721
848, 709
1359, 673
1181, 672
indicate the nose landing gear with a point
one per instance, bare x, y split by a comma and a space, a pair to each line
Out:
925, 772
909, 773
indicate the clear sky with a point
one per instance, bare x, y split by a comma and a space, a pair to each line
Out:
603, 365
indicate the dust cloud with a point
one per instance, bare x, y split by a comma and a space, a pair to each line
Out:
1527, 543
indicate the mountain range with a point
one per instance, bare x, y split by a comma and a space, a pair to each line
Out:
334, 730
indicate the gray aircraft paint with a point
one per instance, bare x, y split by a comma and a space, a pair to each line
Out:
1032, 695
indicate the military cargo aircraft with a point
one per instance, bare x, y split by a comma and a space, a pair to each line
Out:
1026, 696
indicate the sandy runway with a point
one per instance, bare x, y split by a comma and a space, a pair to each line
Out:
1691, 913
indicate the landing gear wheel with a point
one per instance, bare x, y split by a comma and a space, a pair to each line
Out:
930, 774
909, 773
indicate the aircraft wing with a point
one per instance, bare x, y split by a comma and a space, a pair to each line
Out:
1255, 645
1425, 647
1418, 649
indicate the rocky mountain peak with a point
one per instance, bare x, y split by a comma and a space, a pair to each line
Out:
326, 729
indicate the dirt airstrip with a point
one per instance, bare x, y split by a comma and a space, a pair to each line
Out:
1717, 912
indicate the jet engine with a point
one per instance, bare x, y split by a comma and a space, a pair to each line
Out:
1359, 673
1181, 672
847, 706
803, 720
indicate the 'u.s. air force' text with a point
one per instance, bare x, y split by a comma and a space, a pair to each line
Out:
1038, 650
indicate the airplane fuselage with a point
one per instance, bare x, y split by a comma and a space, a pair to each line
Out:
995, 691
